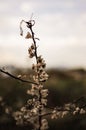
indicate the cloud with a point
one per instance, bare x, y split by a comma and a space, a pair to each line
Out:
61, 26
14, 55
26, 7
3, 6
73, 56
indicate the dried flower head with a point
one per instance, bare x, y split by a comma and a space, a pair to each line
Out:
28, 35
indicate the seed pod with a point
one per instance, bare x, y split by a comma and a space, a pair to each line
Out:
28, 35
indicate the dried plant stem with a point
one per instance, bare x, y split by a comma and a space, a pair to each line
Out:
14, 77
33, 38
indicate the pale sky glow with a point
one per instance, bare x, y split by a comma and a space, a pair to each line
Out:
60, 25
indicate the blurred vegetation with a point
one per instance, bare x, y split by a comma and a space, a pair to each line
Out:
64, 86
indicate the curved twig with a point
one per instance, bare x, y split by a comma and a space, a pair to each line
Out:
22, 80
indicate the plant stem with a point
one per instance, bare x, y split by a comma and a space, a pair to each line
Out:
36, 56
14, 77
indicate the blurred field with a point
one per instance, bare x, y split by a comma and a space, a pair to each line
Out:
64, 86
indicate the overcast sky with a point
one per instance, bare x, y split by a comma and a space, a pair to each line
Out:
60, 25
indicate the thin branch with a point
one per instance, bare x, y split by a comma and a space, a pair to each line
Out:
79, 99
59, 109
34, 42
46, 114
22, 80
83, 106
30, 25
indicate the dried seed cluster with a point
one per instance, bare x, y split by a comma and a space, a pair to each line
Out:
34, 110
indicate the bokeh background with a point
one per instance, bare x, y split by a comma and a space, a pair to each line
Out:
61, 27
